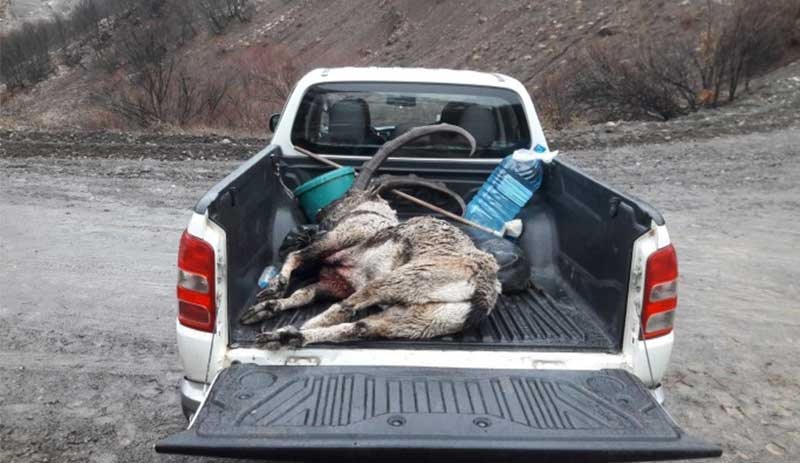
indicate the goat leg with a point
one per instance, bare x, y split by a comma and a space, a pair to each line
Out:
348, 309
443, 280
419, 321
334, 315
269, 308
275, 288
287, 336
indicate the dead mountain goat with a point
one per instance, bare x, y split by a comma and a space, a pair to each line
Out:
425, 274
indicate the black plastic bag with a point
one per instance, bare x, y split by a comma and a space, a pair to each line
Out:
515, 270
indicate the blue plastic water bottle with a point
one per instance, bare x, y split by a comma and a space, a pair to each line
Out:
508, 189
267, 275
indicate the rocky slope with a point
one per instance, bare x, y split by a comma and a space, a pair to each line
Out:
520, 38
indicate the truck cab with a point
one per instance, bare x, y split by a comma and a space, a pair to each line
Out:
570, 367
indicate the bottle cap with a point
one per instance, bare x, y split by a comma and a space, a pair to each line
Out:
538, 152
524, 155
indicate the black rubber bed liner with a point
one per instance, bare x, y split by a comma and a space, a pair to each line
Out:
396, 413
531, 318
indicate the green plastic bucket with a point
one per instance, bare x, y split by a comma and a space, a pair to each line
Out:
323, 190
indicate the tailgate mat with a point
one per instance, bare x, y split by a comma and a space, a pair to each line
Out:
343, 413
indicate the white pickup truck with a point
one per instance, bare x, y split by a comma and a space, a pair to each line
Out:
567, 369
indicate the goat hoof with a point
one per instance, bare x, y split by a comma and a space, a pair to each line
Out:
286, 336
275, 290
259, 312
274, 345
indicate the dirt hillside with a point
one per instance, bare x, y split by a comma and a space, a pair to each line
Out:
520, 38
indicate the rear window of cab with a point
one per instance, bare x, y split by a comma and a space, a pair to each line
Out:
355, 118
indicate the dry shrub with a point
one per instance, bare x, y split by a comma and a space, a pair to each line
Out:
25, 56
167, 93
84, 17
220, 13
239, 92
657, 81
556, 104
666, 78
265, 76
25, 53
5, 98
154, 28
752, 36
156, 86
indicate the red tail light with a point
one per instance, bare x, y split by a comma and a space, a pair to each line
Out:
660, 293
196, 308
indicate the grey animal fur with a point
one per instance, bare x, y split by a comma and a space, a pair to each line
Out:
426, 274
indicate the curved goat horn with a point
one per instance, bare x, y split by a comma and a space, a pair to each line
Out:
391, 182
369, 167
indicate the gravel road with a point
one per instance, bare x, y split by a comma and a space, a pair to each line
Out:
88, 364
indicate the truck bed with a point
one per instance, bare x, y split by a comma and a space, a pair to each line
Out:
531, 319
578, 237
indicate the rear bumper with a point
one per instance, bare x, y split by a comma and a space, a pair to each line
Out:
193, 349
650, 361
658, 394
192, 394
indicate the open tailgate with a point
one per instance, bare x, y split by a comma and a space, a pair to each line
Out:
393, 413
